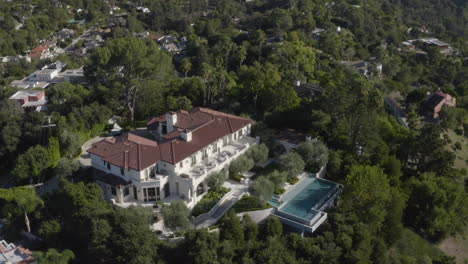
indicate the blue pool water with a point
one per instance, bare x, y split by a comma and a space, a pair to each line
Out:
313, 194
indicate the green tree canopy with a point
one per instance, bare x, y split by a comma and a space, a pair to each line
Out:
314, 153
262, 188
18, 201
291, 163
31, 164
367, 192
122, 68
53, 256
176, 216
437, 206
258, 153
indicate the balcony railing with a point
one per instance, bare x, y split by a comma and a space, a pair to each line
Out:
229, 152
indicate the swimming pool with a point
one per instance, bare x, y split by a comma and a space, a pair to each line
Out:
306, 200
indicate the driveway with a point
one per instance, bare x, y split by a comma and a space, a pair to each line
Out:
84, 158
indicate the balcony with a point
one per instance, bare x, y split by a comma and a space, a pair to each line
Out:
219, 160
155, 177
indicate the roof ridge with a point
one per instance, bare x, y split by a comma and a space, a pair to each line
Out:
202, 125
172, 151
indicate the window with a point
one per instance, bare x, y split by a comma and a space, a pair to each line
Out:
104, 162
113, 191
108, 166
194, 159
181, 164
126, 191
205, 154
240, 132
225, 140
235, 136
215, 147
122, 171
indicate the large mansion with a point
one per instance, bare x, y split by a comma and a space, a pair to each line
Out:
172, 159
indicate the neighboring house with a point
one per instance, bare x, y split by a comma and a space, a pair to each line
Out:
308, 90
65, 33
444, 48
73, 75
12, 254
40, 53
50, 74
364, 67
317, 33
143, 9
188, 146
434, 103
31, 100
290, 138
171, 44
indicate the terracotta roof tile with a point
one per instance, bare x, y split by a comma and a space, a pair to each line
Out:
136, 152
127, 151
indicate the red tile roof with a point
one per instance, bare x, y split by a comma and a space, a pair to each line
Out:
127, 151
206, 126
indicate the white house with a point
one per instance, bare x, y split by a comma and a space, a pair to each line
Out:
12, 254
174, 159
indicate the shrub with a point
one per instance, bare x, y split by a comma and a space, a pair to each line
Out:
280, 191
235, 177
293, 180
249, 203
209, 200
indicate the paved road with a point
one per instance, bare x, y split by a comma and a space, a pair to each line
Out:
84, 158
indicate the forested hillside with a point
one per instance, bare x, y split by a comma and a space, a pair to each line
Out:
245, 58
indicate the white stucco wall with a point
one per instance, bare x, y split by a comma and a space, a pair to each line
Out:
186, 186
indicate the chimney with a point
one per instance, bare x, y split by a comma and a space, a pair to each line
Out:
171, 120
187, 135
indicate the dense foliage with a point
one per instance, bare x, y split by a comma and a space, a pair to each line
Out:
246, 58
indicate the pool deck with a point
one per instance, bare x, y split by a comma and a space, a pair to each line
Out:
303, 205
